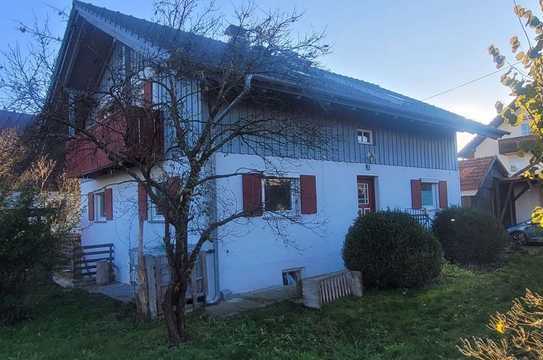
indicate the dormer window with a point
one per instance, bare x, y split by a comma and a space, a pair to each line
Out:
364, 136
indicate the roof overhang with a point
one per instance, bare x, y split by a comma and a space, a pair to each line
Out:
451, 121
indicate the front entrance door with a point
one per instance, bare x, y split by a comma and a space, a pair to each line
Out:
366, 194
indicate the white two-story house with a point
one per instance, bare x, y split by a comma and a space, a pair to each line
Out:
388, 152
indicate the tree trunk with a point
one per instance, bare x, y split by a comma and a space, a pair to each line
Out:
174, 313
142, 302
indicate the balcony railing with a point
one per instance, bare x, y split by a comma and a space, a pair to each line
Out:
135, 135
515, 144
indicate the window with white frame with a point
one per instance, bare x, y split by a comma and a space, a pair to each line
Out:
100, 206
155, 213
429, 195
364, 136
281, 194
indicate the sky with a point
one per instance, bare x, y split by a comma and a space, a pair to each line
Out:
417, 48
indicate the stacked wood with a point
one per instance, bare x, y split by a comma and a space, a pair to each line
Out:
327, 288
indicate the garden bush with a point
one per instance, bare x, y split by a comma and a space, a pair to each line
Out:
28, 252
392, 250
469, 237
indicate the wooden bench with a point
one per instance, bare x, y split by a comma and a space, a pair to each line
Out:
327, 288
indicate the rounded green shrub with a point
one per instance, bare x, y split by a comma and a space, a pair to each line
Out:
469, 237
392, 250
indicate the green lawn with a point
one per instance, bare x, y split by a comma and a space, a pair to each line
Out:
423, 324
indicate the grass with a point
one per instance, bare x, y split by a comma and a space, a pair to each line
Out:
422, 324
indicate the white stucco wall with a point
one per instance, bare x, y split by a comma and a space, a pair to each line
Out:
252, 256
122, 230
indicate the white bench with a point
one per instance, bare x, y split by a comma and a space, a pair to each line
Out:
327, 288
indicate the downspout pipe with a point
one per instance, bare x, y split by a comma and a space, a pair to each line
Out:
246, 90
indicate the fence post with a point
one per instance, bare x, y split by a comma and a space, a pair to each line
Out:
356, 283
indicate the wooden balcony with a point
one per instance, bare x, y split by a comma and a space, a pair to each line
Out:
136, 135
515, 144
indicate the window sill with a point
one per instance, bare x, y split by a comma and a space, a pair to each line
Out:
102, 221
156, 221
281, 216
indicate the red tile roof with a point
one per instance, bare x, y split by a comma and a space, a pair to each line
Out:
473, 172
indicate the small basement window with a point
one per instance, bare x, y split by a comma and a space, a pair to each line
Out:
280, 194
364, 136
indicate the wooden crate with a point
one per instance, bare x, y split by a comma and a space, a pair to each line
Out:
327, 288
159, 277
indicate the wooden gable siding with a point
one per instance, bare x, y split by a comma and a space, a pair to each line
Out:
416, 147
395, 147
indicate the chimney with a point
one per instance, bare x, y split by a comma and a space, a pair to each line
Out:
237, 34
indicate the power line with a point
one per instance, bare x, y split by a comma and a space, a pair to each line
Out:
467, 83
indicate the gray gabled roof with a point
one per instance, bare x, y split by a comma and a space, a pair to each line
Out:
317, 82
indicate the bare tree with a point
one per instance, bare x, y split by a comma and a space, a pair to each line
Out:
168, 149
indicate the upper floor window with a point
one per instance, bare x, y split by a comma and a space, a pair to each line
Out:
364, 136
280, 194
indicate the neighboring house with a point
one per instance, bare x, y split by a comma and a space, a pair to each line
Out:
390, 151
14, 120
480, 181
518, 195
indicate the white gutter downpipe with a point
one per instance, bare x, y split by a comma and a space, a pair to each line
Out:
216, 283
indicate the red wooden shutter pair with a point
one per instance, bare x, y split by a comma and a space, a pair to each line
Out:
142, 202
308, 194
108, 204
416, 196
252, 194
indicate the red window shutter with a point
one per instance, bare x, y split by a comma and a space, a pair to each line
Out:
142, 202
416, 199
108, 204
443, 201
308, 194
90, 205
252, 194
148, 93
